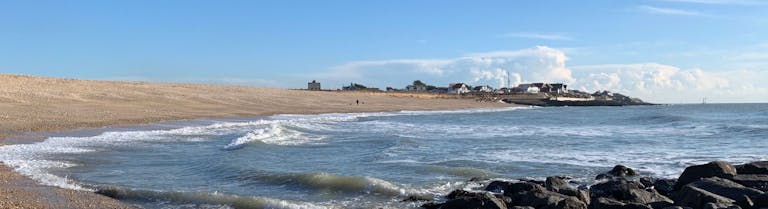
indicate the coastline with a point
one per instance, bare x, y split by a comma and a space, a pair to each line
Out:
35, 104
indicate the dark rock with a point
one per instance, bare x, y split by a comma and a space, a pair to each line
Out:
713, 169
720, 206
761, 201
416, 198
570, 203
621, 171
676, 207
756, 181
533, 181
609, 203
534, 195
474, 200
664, 186
498, 186
522, 207
651, 198
509, 188
723, 187
555, 184
629, 192
539, 198
760, 167
582, 195
431, 205
694, 197
617, 189
647, 181
456, 194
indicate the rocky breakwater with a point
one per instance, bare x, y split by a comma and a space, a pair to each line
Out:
715, 185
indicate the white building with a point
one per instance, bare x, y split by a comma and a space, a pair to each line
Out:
459, 88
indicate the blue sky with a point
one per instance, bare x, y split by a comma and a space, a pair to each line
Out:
659, 50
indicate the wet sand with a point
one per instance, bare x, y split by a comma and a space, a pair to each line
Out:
36, 104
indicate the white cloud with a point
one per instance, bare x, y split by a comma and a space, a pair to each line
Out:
668, 11
551, 37
537, 63
670, 84
651, 81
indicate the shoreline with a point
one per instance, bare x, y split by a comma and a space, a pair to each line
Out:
49, 105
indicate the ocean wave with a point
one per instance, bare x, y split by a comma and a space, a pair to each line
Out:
335, 183
204, 198
275, 133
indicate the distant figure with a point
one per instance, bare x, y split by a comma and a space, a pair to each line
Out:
357, 101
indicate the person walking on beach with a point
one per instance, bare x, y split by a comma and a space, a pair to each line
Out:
357, 102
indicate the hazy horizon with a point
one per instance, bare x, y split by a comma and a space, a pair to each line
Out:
665, 51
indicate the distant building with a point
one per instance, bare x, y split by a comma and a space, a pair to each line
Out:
313, 86
557, 88
482, 89
458, 88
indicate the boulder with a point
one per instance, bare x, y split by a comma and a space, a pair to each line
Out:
617, 189
534, 195
570, 203
469, 200
511, 188
629, 192
622, 171
609, 203
647, 181
723, 187
555, 184
651, 198
760, 167
582, 195
713, 169
756, 181
664, 186
691, 196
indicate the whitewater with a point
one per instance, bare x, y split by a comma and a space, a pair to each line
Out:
374, 160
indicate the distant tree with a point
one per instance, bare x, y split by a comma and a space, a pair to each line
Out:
419, 83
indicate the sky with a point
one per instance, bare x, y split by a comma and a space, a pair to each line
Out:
668, 51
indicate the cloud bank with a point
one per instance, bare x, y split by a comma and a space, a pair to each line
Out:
650, 81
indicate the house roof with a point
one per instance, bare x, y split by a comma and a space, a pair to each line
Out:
458, 85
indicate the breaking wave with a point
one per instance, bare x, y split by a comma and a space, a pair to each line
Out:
335, 183
275, 133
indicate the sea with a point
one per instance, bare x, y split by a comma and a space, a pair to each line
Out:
375, 160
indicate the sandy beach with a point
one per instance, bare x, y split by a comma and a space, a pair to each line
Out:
35, 104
